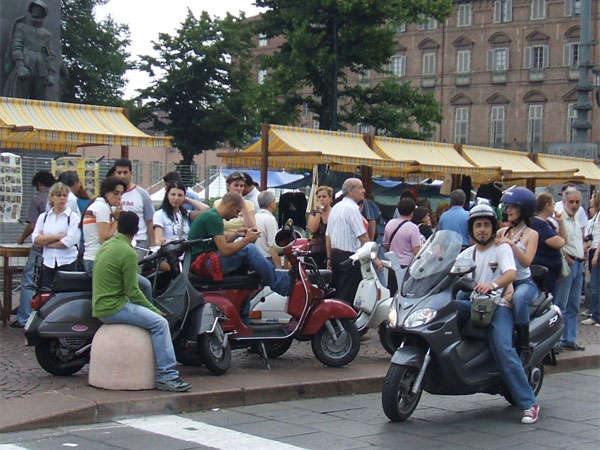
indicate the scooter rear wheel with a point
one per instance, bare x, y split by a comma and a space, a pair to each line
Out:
186, 352
535, 381
337, 352
216, 357
396, 398
57, 359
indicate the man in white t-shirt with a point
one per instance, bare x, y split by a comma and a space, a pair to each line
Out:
496, 270
250, 192
137, 199
266, 224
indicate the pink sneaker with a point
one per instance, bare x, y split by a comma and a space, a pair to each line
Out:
531, 415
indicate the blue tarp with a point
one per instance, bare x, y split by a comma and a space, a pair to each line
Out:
274, 179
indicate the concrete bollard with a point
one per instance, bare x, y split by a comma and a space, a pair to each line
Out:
122, 358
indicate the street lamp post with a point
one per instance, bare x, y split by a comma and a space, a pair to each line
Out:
581, 124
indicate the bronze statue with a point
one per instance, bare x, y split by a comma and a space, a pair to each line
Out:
30, 59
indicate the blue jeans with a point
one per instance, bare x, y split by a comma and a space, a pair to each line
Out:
142, 317
567, 296
26, 280
525, 293
500, 341
249, 255
144, 282
594, 289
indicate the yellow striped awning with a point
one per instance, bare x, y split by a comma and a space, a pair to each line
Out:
306, 147
515, 165
43, 125
432, 159
586, 168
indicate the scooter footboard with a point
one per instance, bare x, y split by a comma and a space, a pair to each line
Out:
409, 356
326, 310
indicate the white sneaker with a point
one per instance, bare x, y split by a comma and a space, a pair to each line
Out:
589, 321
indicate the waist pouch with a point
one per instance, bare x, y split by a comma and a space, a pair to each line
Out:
483, 308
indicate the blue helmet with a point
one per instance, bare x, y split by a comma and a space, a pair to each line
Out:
523, 198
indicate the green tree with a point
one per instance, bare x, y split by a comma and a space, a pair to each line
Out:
202, 80
94, 54
327, 39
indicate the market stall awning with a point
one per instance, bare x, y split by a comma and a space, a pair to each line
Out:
62, 127
515, 165
306, 147
586, 168
431, 159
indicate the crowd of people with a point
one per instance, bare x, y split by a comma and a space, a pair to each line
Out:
71, 231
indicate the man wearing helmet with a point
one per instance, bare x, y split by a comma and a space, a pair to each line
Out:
495, 270
520, 205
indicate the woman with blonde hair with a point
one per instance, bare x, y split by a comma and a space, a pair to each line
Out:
317, 225
57, 232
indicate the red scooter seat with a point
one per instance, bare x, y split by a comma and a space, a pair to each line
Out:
248, 281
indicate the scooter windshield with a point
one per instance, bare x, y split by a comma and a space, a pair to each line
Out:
432, 264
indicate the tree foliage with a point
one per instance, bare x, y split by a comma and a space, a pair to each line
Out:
327, 39
202, 79
94, 53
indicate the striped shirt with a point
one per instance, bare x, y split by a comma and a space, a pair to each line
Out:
344, 226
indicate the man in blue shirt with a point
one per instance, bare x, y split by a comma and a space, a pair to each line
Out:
455, 219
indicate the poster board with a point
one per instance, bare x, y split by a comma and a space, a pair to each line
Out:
87, 168
11, 187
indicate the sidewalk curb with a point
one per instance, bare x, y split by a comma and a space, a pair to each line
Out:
162, 403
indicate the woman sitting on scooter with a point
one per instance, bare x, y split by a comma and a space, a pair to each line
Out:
57, 231
317, 225
520, 205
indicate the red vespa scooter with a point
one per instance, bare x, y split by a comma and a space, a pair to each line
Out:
328, 323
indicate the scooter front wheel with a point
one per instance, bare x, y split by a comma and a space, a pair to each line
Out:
215, 355
337, 342
397, 399
57, 359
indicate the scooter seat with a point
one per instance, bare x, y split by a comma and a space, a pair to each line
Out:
71, 282
248, 281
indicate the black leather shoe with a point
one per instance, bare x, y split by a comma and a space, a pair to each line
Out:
572, 346
16, 324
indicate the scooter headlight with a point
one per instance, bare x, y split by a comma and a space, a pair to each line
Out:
420, 317
393, 316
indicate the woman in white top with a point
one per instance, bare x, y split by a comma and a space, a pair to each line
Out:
57, 231
99, 221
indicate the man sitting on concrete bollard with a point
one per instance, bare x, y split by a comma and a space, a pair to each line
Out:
117, 298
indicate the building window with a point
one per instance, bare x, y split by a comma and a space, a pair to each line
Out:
432, 24
538, 9
461, 125
536, 57
572, 8
157, 170
397, 66
305, 109
502, 11
262, 73
428, 64
364, 78
497, 59
464, 15
571, 54
263, 41
497, 124
571, 116
536, 121
136, 165
401, 28
463, 61
363, 128
316, 124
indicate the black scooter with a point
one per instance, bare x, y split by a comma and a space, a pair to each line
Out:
61, 326
434, 354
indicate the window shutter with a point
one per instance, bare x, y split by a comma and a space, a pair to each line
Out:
507, 63
546, 52
567, 55
508, 17
528, 57
497, 11
490, 59
403, 62
568, 8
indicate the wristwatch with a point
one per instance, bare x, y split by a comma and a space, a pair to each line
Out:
495, 285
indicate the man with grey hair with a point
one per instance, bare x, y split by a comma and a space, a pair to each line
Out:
266, 224
346, 232
567, 295
455, 219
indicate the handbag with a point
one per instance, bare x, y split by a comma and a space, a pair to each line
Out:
565, 269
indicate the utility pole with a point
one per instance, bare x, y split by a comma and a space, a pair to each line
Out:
582, 124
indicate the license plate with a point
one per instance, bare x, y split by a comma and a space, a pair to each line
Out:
31, 317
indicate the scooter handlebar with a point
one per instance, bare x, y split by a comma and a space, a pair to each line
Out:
462, 285
167, 247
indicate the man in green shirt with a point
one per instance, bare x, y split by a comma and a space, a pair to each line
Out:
117, 298
233, 253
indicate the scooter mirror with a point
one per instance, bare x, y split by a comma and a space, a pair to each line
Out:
463, 266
